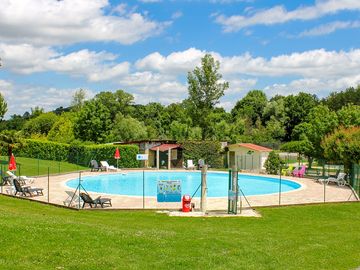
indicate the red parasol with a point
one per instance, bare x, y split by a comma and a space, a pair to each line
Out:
117, 157
117, 154
12, 163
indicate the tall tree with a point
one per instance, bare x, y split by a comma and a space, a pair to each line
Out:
40, 125
93, 122
205, 90
343, 145
127, 129
251, 106
319, 122
349, 115
115, 102
336, 100
296, 109
78, 99
3, 106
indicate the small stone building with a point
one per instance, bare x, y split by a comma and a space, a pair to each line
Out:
247, 156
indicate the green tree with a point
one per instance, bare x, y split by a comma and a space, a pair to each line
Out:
303, 147
93, 122
178, 131
251, 106
16, 122
63, 129
40, 125
36, 111
336, 100
319, 122
78, 100
11, 139
115, 102
205, 90
3, 106
157, 117
296, 109
127, 129
343, 145
218, 125
274, 110
349, 115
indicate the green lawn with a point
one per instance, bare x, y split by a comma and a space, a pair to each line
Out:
34, 167
36, 236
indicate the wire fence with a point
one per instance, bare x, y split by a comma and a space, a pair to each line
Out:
65, 184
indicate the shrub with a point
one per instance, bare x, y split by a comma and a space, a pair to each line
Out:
210, 151
272, 163
79, 153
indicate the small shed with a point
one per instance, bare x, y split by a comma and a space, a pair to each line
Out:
247, 156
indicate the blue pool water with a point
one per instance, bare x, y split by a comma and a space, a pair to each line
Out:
132, 183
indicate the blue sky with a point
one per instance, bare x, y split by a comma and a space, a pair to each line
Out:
50, 48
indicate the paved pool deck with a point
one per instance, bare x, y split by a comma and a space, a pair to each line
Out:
310, 192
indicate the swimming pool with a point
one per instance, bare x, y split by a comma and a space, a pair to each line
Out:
132, 183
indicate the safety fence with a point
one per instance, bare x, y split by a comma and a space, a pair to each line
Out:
355, 178
163, 189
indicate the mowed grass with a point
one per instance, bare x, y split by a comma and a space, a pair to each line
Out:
36, 236
34, 167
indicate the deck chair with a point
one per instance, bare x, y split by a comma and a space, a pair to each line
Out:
88, 200
107, 167
24, 180
302, 171
190, 165
72, 199
26, 190
287, 171
95, 166
6, 180
339, 180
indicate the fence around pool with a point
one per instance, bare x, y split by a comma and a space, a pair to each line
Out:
54, 179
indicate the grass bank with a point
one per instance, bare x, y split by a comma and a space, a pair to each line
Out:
35, 236
35, 167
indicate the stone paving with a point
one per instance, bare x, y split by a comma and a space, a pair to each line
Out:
310, 192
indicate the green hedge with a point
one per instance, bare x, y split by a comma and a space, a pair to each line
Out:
210, 151
79, 154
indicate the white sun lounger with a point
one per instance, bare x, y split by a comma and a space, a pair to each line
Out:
108, 167
339, 180
22, 178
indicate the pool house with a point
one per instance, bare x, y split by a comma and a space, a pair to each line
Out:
247, 156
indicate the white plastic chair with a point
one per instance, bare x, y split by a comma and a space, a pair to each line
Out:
108, 167
190, 164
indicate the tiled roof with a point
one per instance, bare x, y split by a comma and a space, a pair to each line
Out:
255, 147
165, 147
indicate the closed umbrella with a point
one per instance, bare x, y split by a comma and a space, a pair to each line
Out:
12, 163
117, 157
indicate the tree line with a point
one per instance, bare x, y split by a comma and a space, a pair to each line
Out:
299, 122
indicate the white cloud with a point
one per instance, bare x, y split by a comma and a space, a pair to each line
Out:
328, 28
315, 85
176, 15
162, 78
323, 63
49, 22
96, 66
174, 63
21, 98
279, 14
